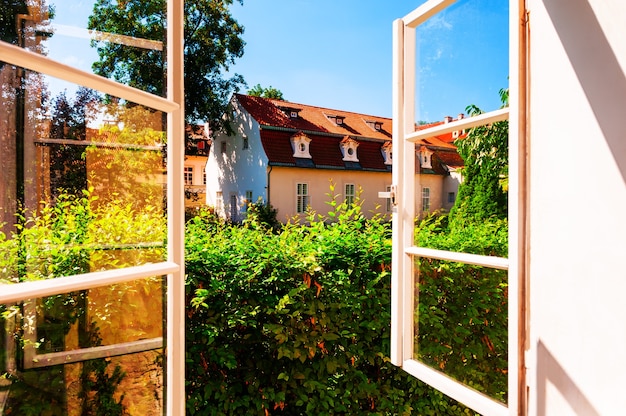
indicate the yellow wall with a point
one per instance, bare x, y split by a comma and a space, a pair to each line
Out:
284, 180
283, 184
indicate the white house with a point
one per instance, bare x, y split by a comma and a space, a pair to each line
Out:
290, 155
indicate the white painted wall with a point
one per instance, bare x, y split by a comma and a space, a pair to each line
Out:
577, 363
250, 164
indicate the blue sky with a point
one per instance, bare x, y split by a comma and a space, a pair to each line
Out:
338, 54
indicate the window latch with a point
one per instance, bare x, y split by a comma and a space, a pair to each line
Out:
390, 195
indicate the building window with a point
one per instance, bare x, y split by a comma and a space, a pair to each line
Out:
233, 208
203, 176
425, 156
388, 204
425, 199
300, 143
386, 150
188, 175
349, 194
348, 149
302, 197
223, 147
219, 202
451, 197
248, 200
337, 120
246, 144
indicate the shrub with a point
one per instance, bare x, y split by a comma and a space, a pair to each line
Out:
295, 322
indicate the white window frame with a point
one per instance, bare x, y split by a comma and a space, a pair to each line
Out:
425, 199
303, 199
248, 199
173, 267
219, 202
350, 193
349, 150
405, 182
388, 200
188, 175
300, 143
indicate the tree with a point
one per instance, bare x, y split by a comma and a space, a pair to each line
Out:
9, 9
269, 92
483, 193
212, 42
68, 169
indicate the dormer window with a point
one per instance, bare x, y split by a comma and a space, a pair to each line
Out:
386, 150
337, 120
290, 112
348, 149
300, 143
374, 125
425, 156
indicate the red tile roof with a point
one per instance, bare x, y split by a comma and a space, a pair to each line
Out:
268, 113
277, 128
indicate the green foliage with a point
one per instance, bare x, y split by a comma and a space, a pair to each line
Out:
9, 9
461, 317
269, 92
76, 234
483, 193
462, 313
212, 43
265, 214
295, 322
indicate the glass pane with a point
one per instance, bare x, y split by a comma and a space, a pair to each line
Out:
461, 191
462, 59
80, 378
95, 36
461, 323
83, 181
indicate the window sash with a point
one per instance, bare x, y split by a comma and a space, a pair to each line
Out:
188, 175
425, 199
350, 193
404, 87
302, 197
174, 266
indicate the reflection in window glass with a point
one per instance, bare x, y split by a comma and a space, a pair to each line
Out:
461, 323
84, 188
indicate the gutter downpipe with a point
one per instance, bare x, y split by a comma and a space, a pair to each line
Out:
269, 170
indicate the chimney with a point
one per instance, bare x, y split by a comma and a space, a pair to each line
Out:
447, 119
461, 116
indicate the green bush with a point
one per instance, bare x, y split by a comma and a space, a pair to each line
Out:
295, 322
462, 313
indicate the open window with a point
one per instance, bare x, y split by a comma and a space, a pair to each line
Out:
437, 337
91, 289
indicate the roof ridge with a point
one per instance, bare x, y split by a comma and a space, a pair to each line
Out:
275, 102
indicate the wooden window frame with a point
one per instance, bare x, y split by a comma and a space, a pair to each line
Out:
173, 267
302, 197
405, 183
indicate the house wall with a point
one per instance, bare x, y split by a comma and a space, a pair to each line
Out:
284, 180
450, 184
577, 277
195, 194
435, 184
237, 170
